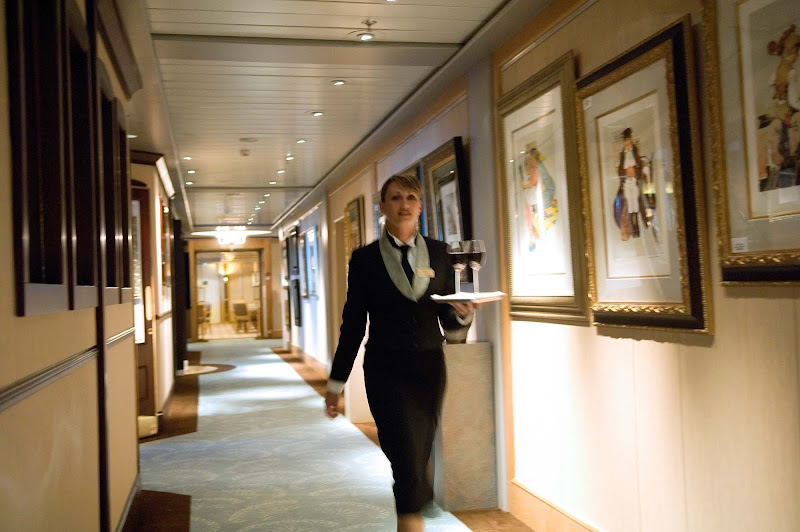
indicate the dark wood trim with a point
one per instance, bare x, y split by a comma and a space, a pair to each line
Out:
119, 337
119, 46
104, 499
145, 157
180, 294
135, 489
19, 390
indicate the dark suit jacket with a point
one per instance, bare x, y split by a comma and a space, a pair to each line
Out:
396, 323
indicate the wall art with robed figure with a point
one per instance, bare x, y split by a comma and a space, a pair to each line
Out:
542, 208
753, 46
643, 187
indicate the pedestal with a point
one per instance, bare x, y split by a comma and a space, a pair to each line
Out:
464, 459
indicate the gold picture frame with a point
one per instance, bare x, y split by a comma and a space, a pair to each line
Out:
353, 226
755, 153
642, 187
541, 197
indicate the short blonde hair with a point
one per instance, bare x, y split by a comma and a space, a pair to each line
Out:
403, 181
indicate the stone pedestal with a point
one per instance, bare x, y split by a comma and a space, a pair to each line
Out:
464, 460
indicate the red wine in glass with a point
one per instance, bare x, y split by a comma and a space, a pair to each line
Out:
458, 260
476, 253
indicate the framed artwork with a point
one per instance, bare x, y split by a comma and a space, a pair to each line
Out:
354, 226
445, 185
755, 117
378, 218
541, 197
311, 260
301, 257
642, 187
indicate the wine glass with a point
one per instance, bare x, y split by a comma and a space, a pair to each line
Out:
476, 256
458, 260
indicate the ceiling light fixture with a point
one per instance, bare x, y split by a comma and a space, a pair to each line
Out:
301, 141
290, 157
190, 172
189, 183
261, 202
366, 35
274, 182
132, 136
187, 158
338, 82
266, 195
317, 113
258, 208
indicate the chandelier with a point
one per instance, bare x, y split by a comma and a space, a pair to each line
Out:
231, 235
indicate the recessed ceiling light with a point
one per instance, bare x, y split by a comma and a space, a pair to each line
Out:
338, 82
132, 136
266, 195
261, 202
317, 113
301, 141
189, 183
187, 158
366, 36
249, 223
190, 172
274, 182
258, 208
290, 157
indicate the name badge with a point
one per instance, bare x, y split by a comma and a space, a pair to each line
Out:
426, 272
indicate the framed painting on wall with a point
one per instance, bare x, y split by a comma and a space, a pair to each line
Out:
378, 218
311, 260
541, 197
354, 226
642, 187
445, 185
755, 116
301, 257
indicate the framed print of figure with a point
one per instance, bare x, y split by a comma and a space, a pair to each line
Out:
755, 117
541, 199
643, 187
354, 226
445, 185
311, 260
301, 256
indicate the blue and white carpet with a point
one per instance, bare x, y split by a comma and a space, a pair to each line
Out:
266, 458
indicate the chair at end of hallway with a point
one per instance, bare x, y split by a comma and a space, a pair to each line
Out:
240, 315
204, 318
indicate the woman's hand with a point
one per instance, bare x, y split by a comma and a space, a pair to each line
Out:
331, 404
464, 309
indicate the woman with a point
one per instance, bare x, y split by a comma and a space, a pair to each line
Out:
391, 280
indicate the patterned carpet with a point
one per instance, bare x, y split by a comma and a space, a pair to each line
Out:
266, 458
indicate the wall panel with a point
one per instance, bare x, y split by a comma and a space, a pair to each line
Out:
48, 457
122, 430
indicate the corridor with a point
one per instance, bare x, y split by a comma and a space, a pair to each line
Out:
265, 457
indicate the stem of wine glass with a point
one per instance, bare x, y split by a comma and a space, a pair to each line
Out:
458, 281
476, 287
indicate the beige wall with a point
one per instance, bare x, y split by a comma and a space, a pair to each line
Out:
48, 457
652, 431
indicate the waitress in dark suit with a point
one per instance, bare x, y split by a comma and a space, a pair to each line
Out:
391, 280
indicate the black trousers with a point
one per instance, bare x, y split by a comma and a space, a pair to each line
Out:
405, 391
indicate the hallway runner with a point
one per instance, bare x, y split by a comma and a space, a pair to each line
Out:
265, 457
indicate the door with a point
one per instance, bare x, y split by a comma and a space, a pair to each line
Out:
143, 299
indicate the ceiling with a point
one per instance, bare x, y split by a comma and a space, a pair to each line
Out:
233, 86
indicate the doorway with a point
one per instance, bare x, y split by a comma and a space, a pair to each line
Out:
229, 301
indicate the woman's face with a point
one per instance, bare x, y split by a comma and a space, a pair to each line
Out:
401, 207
